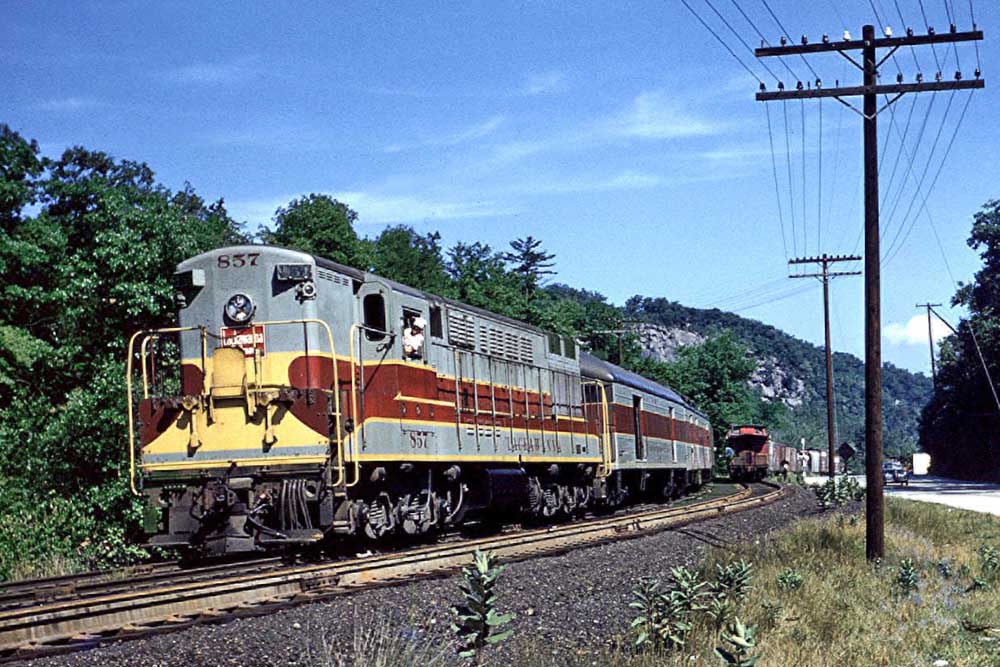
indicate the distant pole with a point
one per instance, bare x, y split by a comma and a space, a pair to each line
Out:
930, 338
824, 276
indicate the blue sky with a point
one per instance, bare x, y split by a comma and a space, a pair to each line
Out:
621, 134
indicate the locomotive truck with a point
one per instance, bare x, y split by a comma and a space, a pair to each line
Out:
283, 409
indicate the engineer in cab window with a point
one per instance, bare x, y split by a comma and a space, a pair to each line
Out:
413, 339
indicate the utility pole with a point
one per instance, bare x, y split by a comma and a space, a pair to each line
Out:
824, 276
930, 337
868, 45
979, 353
620, 333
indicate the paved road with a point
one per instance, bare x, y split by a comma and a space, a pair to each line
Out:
977, 496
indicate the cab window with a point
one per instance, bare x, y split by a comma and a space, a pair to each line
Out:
374, 316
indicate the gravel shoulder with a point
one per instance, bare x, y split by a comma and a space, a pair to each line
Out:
574, 602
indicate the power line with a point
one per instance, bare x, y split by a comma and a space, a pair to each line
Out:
870, 90
761, 35
927, 25
819, 184
721, 41
788, 162
805, 226
920, 134
788, 35
781, 297
902, 22
777, 189
940, 168
972, 15
740, 38
923, 175
951, 23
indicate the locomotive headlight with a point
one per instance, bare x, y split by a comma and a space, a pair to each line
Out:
240, 308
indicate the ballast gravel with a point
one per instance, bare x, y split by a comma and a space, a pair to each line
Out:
573, 603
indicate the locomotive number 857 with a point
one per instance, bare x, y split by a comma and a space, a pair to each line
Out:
298, 400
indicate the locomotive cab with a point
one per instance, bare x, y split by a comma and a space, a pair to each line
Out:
255, 395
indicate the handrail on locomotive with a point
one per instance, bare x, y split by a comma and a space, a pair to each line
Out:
204, 397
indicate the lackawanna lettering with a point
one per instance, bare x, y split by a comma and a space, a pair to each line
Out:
246, 339
526, 445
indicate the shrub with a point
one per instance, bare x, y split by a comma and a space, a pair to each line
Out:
789, 580
907, 578
732, 580
665, 617
741, 642
477, 623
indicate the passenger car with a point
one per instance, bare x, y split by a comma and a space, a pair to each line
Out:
893, 472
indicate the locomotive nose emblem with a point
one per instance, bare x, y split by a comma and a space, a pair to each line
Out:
240, 308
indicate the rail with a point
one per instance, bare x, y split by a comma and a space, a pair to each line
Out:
137, 610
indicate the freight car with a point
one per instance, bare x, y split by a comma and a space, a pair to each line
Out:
303, 401
754, 454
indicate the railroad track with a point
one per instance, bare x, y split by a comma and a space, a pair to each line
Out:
168, 598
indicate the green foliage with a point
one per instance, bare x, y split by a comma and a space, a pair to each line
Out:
667, 616
477, 623
732, 580
945, 569
786, 360
789, 580
742, 642
989, 562
401, 254
320, 225
530, 263
837, 491
480, 278
714, 376
88, 246
960, 427
907, 577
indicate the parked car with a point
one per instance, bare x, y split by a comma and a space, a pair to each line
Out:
893, 472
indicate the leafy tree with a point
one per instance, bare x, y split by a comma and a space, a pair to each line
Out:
480, 278
82, 271
322, 226
401, 254
960, 427
530, 263
20, 166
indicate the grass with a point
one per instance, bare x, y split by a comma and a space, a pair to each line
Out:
846, 612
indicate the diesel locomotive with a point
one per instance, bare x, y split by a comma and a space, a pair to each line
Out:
285, 409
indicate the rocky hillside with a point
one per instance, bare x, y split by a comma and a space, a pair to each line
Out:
792, 371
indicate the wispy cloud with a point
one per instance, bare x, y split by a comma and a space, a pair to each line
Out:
545, 83
914, 332
374, 207
628, 179
473, 132
69, 104
386, 208
204, 73
654, 115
